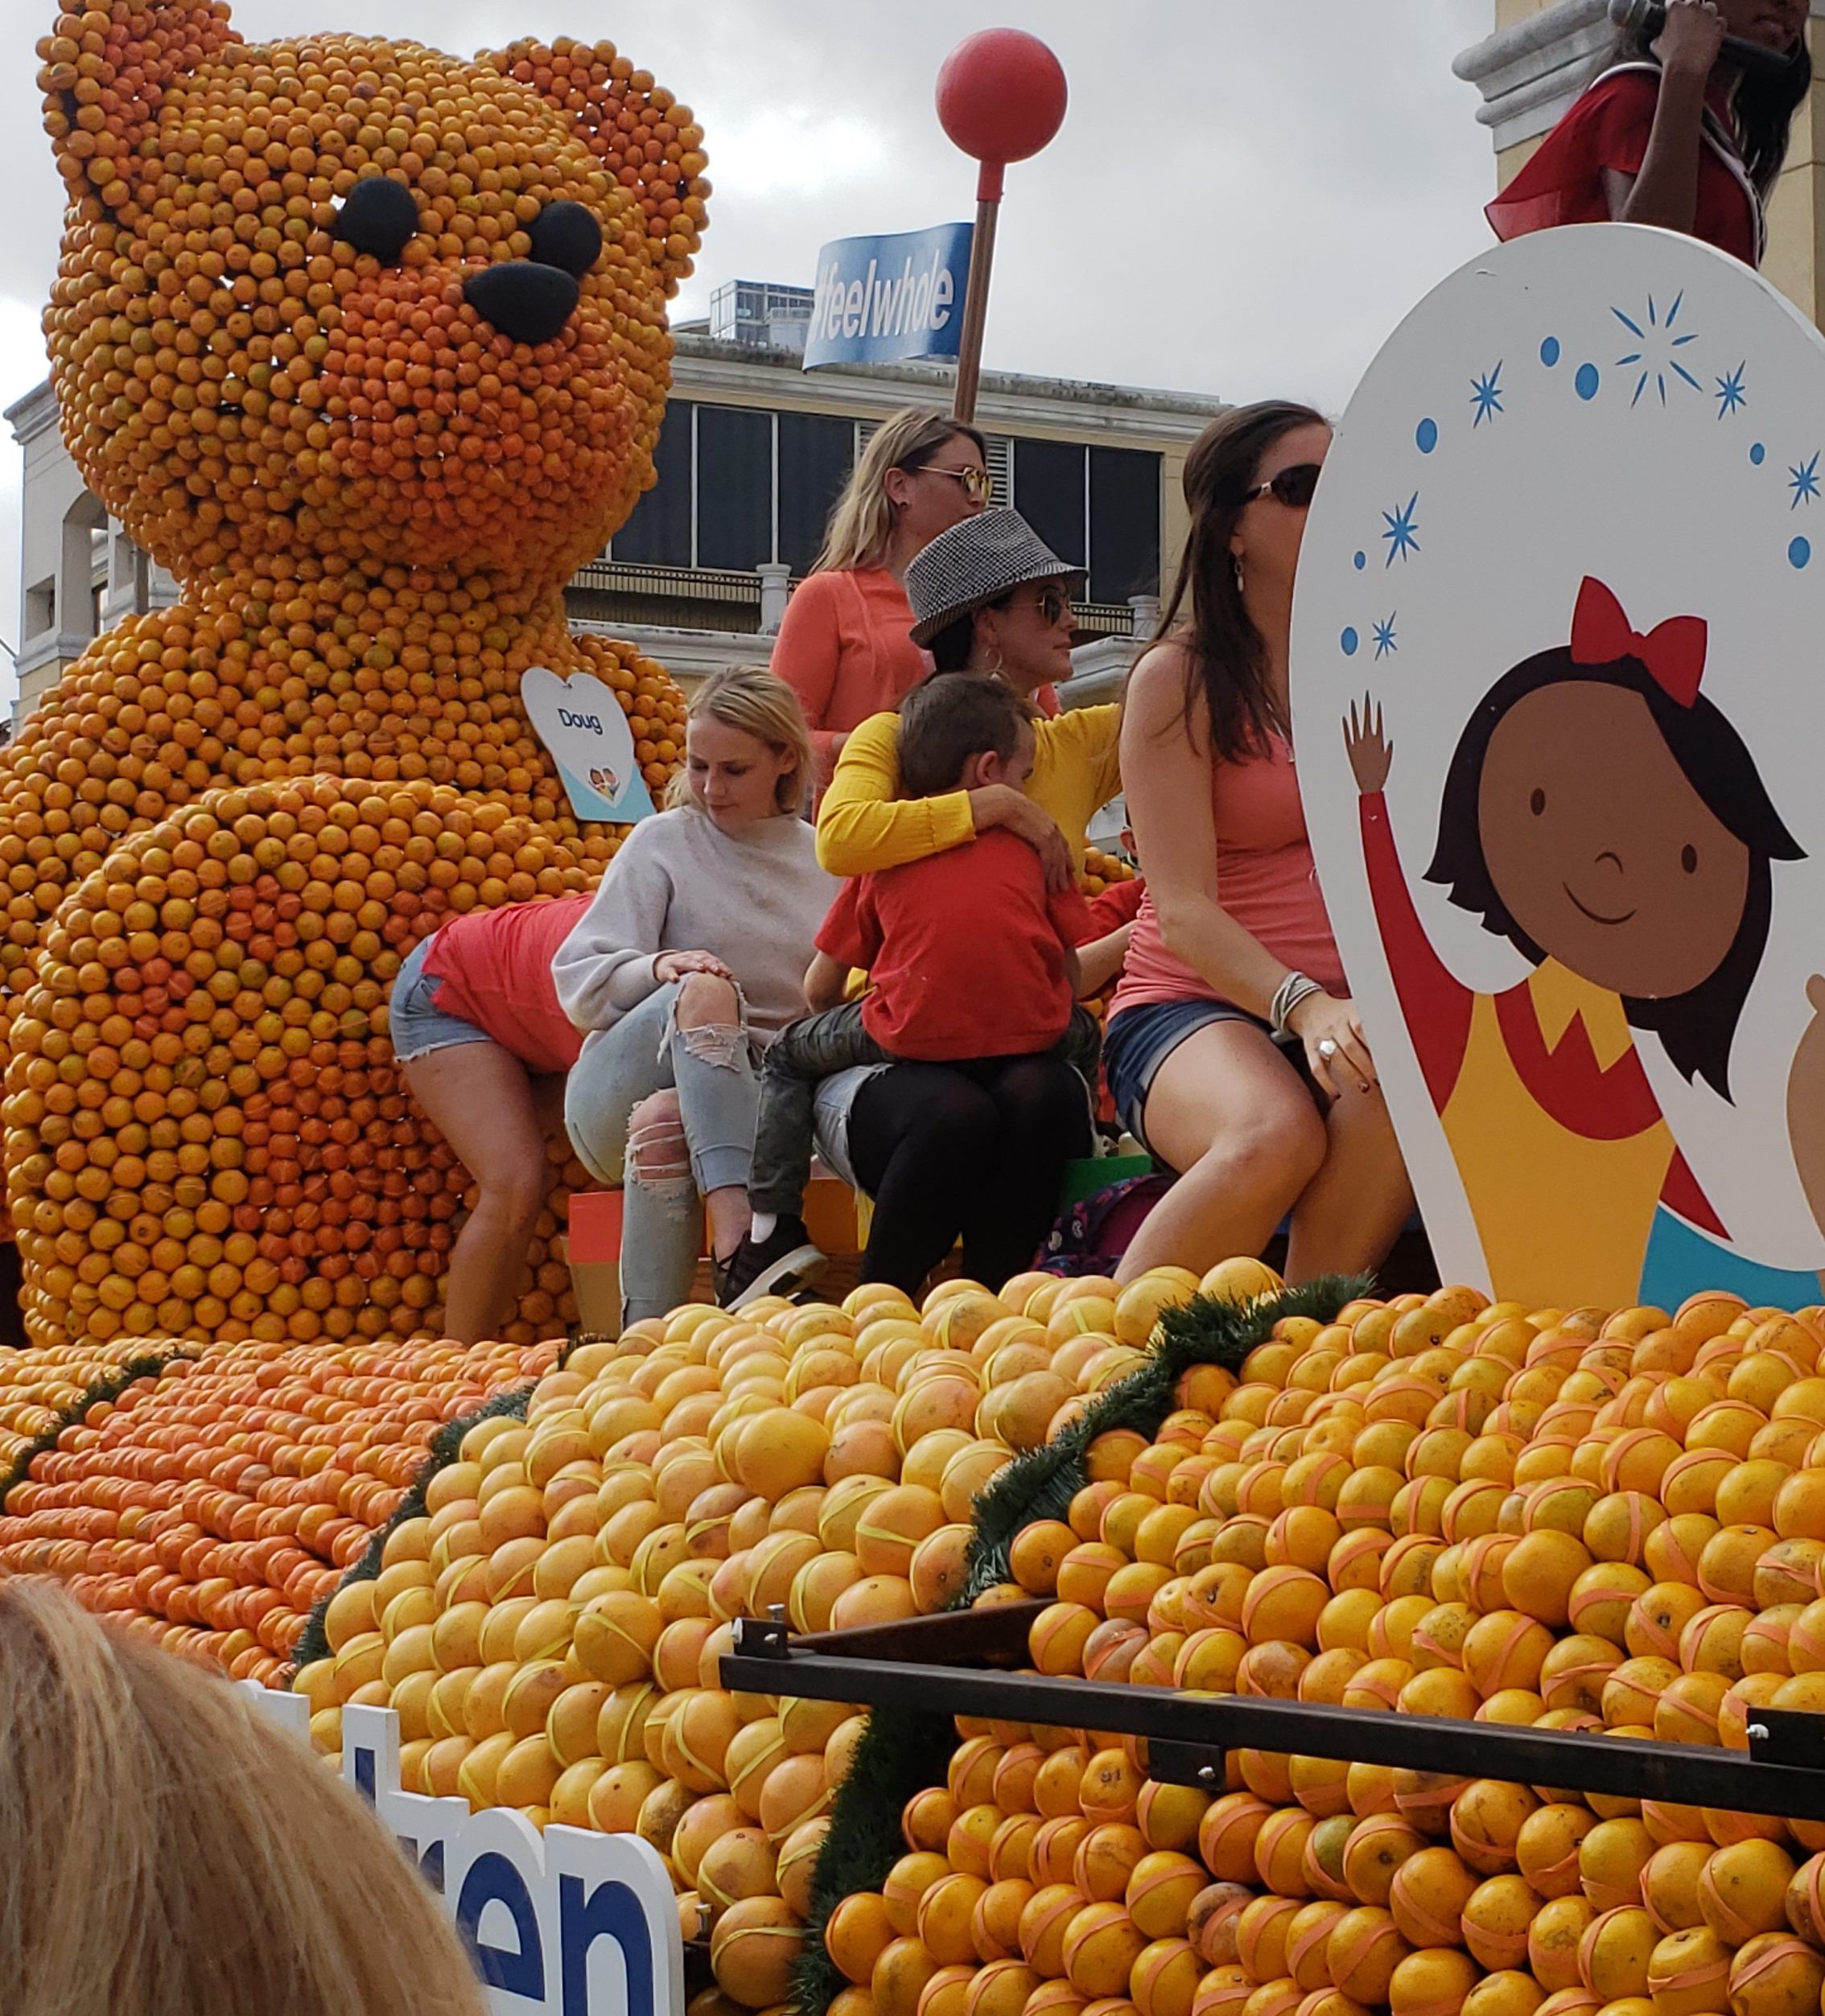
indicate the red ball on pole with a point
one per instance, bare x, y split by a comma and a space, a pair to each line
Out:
1001, 97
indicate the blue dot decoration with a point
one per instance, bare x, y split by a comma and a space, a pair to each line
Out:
1549, 353
1361, 561
1799, 552
1588, 381
1428, 436
1350, 639
1758, 454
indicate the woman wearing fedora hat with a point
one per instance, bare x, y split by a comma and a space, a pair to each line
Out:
989, 597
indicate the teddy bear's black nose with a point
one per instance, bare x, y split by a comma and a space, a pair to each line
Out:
525, 300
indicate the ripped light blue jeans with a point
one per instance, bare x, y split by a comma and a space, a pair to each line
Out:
712, 1070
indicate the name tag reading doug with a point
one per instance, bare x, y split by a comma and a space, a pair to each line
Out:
581, 723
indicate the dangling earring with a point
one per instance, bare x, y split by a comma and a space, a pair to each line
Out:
1237, 559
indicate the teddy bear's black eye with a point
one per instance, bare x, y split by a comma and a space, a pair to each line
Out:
378, 216
566, 235
1537, 803
1688, 860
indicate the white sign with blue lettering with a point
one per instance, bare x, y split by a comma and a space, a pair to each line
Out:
886, 300
566, 1921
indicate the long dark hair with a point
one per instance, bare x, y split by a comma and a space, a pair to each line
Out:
1764, 105
1697, 1027
1227, 656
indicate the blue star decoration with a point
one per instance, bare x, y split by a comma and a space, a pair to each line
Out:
1803, 481
1402, 529
1657, 344
1731, 396
1385, 633
1485, 396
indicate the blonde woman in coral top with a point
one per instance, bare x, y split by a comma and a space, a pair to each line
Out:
843, 647
1232, 1048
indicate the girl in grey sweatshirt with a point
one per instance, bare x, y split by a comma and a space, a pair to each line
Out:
690, 958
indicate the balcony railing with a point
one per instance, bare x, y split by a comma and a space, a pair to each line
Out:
726, 598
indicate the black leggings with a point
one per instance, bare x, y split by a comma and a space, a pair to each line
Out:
975, 1149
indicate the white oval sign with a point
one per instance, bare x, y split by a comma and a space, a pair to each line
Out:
1566, 565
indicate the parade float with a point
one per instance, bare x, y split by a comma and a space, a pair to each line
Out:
1232, 1650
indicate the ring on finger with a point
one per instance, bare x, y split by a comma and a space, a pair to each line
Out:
1327, 1049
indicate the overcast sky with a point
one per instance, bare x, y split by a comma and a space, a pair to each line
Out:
1246, 198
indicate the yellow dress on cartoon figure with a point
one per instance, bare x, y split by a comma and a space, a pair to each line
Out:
1557, 1137
1607, 821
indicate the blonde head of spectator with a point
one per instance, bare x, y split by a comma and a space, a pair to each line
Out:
168, 1853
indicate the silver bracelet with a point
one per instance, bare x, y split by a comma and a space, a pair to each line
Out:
1296, 988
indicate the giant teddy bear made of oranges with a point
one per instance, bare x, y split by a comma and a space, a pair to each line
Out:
367, 345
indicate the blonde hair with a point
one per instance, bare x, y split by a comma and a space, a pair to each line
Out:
759, 703
861, 521
168, 1851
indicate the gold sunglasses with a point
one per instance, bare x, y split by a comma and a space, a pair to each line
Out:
977, 483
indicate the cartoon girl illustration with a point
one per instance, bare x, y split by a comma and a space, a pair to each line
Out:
1607, 820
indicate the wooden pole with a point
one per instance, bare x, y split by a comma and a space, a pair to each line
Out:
975, 307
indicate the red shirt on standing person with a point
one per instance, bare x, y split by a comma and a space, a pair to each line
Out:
1607, 128
964, 951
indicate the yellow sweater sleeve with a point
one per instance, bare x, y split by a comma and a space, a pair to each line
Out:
862, 826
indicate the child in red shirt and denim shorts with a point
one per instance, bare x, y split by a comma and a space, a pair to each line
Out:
971, 963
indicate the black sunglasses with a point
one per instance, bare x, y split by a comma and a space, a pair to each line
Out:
1293, 486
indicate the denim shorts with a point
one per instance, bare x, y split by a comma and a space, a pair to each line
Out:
419, 1027
1137, 1042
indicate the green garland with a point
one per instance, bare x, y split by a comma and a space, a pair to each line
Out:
445, 1446
864, 1840
893, 1761
1041, 1483
148, 1366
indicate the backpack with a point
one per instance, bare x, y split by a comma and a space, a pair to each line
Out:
1094, 1232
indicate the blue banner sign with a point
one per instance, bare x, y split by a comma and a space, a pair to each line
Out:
889, 300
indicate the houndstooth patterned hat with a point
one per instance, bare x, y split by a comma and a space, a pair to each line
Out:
977, 562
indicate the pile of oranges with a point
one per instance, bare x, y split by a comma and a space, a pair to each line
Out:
549, 1631
232, 816
1564, 1518
1428, 1507
1101, 871
212, 1505
208, 1132
39, 1387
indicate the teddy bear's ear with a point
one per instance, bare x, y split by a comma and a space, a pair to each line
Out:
105, 69
638, 130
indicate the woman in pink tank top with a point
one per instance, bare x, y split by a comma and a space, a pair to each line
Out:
1233, 1049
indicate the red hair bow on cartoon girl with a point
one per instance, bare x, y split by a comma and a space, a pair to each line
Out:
1607, 821
1672, 652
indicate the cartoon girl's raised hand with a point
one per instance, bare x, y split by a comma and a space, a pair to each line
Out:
1371, 754
1805, 1103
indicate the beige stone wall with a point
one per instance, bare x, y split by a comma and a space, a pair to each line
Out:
1795, 261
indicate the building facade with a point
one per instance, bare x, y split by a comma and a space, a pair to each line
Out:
1542, 52
752, 454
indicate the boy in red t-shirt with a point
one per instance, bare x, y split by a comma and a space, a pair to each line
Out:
968, 959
